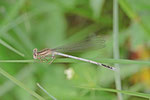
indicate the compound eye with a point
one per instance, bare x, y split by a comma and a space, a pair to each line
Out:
35, 53
34, 56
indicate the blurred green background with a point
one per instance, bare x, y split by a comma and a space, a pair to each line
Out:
29, 24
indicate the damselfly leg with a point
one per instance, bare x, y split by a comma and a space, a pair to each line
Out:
53, 58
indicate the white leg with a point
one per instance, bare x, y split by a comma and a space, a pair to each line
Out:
53, 57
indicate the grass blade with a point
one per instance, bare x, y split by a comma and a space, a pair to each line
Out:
20, 84
120, 91
16, 61
11, 48
68, 60
116, 47
46, 92
21, 75
133, 15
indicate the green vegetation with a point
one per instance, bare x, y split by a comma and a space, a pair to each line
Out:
29, 24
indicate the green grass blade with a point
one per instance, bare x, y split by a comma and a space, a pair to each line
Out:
11, 24
11, 48
116, 53
24, 38
68, 60
13, 11
20, 84
46, 92
21, 75
16, 61
133, 15
144, 95
125, 61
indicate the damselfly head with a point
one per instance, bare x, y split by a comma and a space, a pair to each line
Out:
35, 53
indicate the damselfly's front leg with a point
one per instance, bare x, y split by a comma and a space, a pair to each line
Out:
53, 58
42, 59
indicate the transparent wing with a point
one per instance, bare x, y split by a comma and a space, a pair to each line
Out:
89, 44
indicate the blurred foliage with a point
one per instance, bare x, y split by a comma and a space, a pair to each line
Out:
29, 24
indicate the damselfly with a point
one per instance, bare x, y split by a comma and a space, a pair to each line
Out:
46, 52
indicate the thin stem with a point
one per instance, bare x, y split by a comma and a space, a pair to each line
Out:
17, 82
46, 92
131, 93
133, 15
16, 61
116, 47
11, 48
25, 72
68, 60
